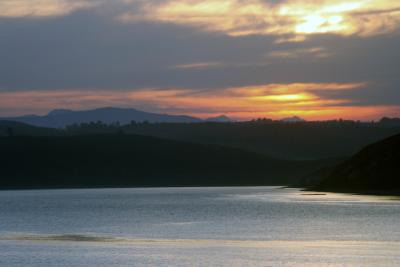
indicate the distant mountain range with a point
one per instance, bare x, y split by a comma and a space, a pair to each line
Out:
59, 118
375, 169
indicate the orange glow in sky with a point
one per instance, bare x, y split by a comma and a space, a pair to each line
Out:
272, 101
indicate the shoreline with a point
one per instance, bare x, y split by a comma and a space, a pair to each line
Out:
280, 186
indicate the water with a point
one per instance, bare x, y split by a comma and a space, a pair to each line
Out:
251, 226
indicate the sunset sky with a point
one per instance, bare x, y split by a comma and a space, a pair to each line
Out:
318, 59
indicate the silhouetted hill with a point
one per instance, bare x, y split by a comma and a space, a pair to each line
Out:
60, 118
132, 160
375, 169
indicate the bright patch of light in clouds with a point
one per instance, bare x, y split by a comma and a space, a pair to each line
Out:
301, 17
235, 17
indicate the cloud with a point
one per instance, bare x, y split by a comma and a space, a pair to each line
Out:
293, 19
298, 18
314, 52
220, 65
198, 65
41, 8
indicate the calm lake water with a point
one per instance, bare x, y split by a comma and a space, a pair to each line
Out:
250, 226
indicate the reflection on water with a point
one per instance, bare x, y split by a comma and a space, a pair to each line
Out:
252, 226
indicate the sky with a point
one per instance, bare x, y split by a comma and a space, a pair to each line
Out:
318, 59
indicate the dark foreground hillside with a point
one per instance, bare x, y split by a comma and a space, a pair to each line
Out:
375, 169
132, 160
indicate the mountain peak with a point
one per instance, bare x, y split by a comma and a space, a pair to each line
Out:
293, 119
59, 112
113, 108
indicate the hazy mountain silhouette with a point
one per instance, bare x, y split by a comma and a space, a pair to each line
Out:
375, 169
59, 112
221, 118
60, 118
